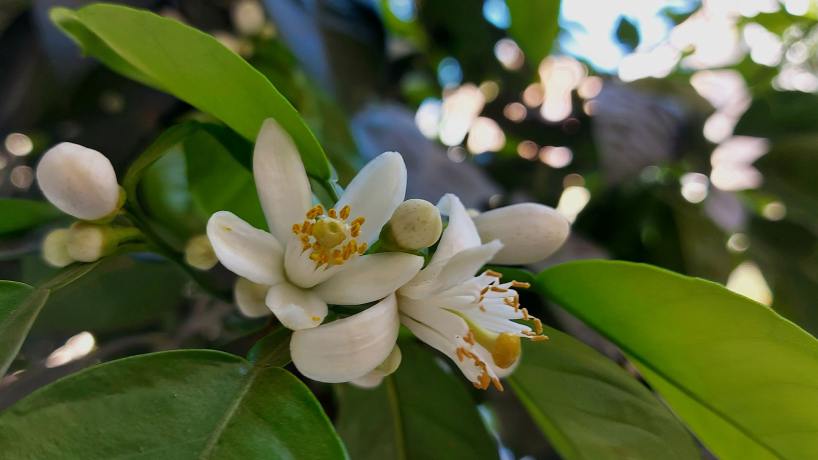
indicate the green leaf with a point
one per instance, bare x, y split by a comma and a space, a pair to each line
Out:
776, 114
123, 293
743, 378
17, 215
218, 182
589, 407
191, 404
158, 149
627, 34
273, 349
192, 66
534, 26
420, 412
19, 306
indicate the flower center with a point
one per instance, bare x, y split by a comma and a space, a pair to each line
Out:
330, 237
505, 347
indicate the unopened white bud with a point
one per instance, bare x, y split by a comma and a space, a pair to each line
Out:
376, 376
250, 297
55, 248
199, 253
79, 181
248, 17
89, 242
416, 224
530, 232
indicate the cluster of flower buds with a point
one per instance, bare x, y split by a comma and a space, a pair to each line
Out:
82, 183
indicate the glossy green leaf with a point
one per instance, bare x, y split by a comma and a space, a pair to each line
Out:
192, 404
192, 66
534, 26
420, 412
19, 306
588, 407
777, 114
742, 377
17, 215
122, 293
218, 182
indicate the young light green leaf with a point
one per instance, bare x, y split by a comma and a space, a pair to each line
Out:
589, 407
534, 26
192, 66
190, 404
17, 215
742, 377
419, 412
19, 306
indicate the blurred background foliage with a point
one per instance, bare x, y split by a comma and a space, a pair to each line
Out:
682, 134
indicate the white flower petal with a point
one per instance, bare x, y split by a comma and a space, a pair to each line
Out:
370, 277
79, 181
370, 380
445, 274
376, 376
444, 345
244, 249
249, 298
375, 193
296, 308
301, 270
530, 232
348, 348
460, 233
281, 181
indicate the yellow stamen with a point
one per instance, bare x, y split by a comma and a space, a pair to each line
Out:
345, 212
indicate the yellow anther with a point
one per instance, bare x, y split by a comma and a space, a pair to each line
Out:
332, 213
296, 229
345, 212
506, 350
493, 273
362, 248
520, 285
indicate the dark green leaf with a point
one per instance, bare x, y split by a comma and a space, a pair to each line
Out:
534, 26
19, 306
743, 378
780, 113
627, 34
190, 65
420, 412
121, 293
273, 349
192, 404
789, 172
17, 215
589, 407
